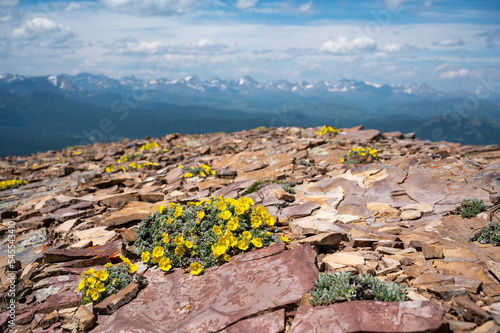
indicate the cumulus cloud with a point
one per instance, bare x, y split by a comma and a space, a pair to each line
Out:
492, 37
398, 48
207, 45
42, 32
344, 46
449, 42
151, 7
307, 8
454, 74
244, 4
72, 6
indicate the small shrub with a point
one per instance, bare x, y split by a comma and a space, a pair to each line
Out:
202, 234
128, 157
470, 208
490, 234
96, 286
149, 145
343, 286
258, 184
359, 155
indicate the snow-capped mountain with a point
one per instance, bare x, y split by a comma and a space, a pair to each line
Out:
246, 85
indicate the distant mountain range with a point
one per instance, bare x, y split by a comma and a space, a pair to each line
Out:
86, 82
54, 111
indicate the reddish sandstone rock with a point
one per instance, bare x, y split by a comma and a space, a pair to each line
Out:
222, 296
370, 316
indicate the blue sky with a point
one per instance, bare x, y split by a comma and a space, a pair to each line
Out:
450, 45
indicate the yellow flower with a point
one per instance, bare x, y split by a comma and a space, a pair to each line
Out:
189, 244
232, 224
227, 257
91, 282
102, 275
342, 160
89, 272
284, 239
158, 253
160, 208
178, 211
203, 174
188, 175
100, 286
196, 268
81, 285
180, 166
94, 294
243, 244
133, 268
165, 264
166, 240
239, 209
218, 250
145, 256
246, 235
179, 239
180, 250
226, 215
201, 214
257, 242
170, 220
108, 264
216, 230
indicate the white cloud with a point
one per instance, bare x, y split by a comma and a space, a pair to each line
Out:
72, 6
449, 42
398, 48
307, 8
43, 32
244, 4
207, 45
151, 7
344, 46
394, 4
8, 3
454, 74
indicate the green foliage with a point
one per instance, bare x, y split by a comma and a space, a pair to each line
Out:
470, 208
258, 184
490, 234
343, 286
207, 232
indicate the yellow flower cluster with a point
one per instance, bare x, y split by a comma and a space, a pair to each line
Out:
6, 184
261, 128
224, 226
110, 168
126, 158
202, 170
131, 268
360, 152
149, 146
138, 166
327, 129
95, 283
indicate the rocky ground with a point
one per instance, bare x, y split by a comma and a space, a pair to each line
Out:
383, 218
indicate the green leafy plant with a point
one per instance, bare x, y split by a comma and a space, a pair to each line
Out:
97, 285
469, 208
258, 184
203, 234
343, 286
490, 234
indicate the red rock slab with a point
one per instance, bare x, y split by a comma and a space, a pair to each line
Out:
370, 316
301, 210
273, 322
110, 250
221, 297
361, 135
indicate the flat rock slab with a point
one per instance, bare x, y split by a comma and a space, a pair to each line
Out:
110, 250
301, 210
273, 322
219, 298
370, 316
